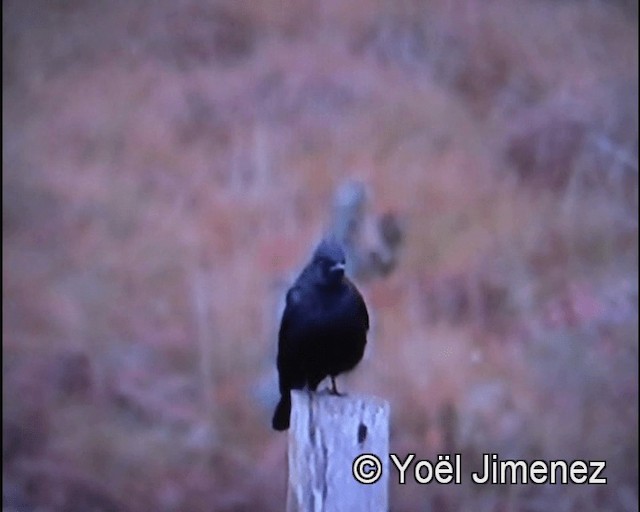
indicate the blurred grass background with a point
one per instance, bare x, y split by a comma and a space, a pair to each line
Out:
168, 166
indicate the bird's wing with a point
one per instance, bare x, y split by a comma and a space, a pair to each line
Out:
291, 346
363, 310
362, 306
291, 305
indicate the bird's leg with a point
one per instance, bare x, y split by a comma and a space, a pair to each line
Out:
334, 389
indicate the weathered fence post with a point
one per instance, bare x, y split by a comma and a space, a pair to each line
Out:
326, 435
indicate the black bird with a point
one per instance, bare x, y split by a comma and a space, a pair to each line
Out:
324, 328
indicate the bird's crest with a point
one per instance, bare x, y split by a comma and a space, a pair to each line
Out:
329, 249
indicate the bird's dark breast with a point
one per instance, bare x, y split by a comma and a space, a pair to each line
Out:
334, 334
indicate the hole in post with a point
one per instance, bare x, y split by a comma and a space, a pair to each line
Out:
362, 433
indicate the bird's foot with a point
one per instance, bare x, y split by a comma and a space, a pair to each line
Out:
333, 390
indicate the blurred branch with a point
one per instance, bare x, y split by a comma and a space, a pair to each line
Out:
201, 295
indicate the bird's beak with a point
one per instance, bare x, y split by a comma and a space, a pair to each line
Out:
338, 268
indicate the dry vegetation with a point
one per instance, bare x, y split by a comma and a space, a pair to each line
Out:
168, 165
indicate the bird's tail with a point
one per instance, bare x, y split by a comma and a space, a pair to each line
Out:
283, 412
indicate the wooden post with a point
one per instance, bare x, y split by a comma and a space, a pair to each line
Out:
326, 435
